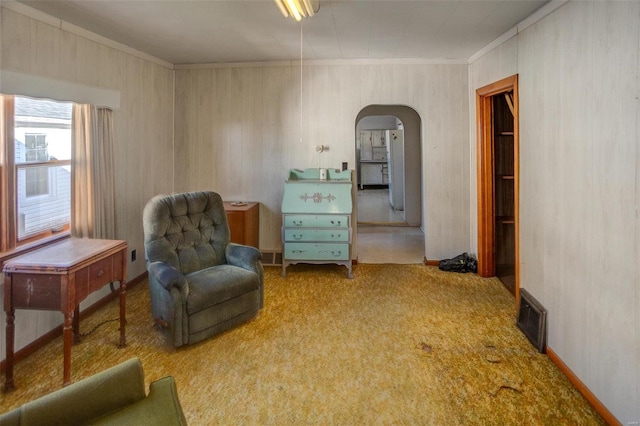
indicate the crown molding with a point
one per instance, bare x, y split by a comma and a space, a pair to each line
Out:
322, 62
536, 16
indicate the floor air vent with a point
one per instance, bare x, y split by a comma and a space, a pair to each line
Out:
532, 320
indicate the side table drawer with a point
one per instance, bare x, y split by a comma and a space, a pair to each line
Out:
36, 291
316, 221
316, 251
293, 234
96, 275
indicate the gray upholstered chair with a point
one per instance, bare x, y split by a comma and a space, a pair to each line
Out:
200, 283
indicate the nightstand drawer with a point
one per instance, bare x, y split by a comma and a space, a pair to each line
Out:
316, 221
319, 251
293, 234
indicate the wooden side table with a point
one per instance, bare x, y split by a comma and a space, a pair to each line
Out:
244, 222
57, 278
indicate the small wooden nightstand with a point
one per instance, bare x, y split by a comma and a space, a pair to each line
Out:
244, 222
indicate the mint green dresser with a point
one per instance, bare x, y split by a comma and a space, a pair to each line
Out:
316, 218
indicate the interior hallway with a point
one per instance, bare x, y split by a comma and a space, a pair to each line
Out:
383, 236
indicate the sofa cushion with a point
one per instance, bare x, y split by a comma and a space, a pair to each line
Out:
211, 286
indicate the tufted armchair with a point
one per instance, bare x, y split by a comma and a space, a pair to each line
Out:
200, 283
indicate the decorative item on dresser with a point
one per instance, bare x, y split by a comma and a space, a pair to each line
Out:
243, 218
317, 218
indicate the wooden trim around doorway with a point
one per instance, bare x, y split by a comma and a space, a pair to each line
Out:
484, 131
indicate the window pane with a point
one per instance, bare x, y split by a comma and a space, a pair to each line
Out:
37, 181
44, 200
42, 134
44, 126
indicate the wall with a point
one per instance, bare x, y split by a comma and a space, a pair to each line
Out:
238, 131
579, 186
143, 145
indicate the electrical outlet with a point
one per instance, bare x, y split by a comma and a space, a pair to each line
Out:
133, 255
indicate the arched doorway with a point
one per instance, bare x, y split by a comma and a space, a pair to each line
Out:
408, 121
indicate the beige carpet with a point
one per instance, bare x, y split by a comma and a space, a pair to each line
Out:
398, 344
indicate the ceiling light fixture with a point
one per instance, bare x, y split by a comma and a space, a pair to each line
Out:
298, 9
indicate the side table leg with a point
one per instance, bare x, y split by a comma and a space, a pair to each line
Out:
123, 318
10, 329
67, 338
76, 325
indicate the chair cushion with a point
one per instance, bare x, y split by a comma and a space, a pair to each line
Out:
218, 284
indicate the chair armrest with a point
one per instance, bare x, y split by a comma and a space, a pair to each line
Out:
167, 276
246, 257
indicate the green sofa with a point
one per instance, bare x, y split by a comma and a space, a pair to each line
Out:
115, 396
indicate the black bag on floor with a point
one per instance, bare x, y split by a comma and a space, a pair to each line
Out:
461, 263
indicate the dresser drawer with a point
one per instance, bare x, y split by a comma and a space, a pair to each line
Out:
316, 251
316, 221
303, 234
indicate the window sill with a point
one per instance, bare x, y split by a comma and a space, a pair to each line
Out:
25, 248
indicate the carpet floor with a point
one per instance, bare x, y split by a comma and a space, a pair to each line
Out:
397, 344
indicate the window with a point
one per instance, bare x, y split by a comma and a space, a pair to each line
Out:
36, 147
36, 178
36, 170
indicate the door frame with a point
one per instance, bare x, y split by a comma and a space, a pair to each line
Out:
486, 195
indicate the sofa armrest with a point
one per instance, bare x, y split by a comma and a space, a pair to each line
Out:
168, 276
90, 398
246, 257
249, 258
160, 407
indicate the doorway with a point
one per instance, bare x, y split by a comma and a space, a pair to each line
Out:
498, 182
389, 185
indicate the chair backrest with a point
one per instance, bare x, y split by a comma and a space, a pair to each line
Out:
188, 230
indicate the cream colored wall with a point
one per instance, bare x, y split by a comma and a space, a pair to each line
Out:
238, 132
580, 187
143, 127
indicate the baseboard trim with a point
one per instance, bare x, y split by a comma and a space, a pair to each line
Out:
431, 262
57, 332
606, 415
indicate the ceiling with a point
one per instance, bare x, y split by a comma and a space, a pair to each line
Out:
220, 31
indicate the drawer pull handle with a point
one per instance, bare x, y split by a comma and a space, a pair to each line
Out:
297, 237
100, 273
336, 223
297, 223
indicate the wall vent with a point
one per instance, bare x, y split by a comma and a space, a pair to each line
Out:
271, 258
532, 320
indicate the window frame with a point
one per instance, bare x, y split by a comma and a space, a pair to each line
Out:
10, 244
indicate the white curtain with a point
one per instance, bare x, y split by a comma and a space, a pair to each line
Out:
92, 175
